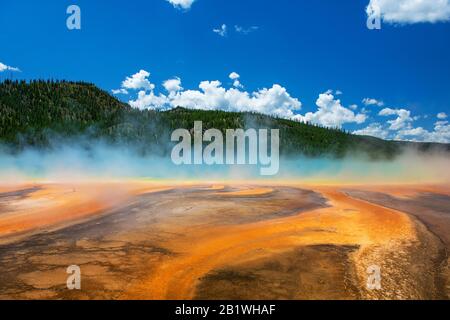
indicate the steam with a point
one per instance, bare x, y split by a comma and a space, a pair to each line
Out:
83, 160
409, 167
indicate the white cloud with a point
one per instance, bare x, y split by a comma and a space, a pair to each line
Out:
149, 101
411, 11
212, 96
442, 115
374, 130
401, 128
331, 113
4, 67
275, 100
222, 31
173, 85
372, 102
403, 118
235, 77
120, 91
411, 134
138, 81
182, 4
441, 123
440, 134
243, 30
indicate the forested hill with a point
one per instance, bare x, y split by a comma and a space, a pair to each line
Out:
39, 112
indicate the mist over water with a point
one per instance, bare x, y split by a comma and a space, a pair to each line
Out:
410, 167
68, 162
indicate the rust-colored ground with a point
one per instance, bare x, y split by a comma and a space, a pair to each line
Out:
141, 240
34, 207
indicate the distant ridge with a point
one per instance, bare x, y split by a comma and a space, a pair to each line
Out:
33, 114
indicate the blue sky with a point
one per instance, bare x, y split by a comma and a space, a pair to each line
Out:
286, 53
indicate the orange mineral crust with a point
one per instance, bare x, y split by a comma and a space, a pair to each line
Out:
347, 222
56, 205
147, 240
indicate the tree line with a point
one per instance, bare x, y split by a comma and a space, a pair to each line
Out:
33, 113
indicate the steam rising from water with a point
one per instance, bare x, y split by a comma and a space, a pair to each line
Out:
101, 161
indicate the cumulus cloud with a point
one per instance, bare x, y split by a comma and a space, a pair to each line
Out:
440, 134
4, 67
374, 130
411, 11
276, 101
402, 128
235, 77
182, 4
331, 113
149, 101
222, 31
442, 115
173, 85
212, 95
403, 118
372, 102
138, 81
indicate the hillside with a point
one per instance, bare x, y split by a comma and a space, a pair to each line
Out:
41, 112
